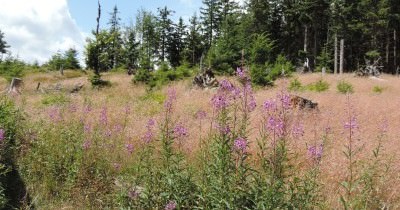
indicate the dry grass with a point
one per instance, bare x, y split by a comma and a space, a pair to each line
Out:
370, 108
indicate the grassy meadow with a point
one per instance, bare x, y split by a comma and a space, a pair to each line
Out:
181, 147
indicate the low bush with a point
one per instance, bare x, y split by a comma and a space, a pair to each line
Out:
344, 87
55, 99
377, 89
295, 85
319, 86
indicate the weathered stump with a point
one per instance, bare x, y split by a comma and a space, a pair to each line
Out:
15, 86
76, 88
205, 79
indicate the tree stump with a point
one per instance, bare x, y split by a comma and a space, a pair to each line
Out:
205, 79
15, 85
76, 88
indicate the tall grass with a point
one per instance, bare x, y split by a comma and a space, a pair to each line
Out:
88, 156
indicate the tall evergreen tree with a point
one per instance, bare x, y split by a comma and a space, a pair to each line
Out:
193, 47
115, 39
3, 44
211, 20
165, 29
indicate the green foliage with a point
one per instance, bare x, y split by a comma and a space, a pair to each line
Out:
11, 184
295, 85
318, 86
373, 54
97, 82
259, 75
260, 50
377, 89
68, 60
55, 99
344, 87
12, 67
324, 60
142, 76
3, 44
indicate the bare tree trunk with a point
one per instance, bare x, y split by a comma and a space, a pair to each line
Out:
96, 67
341, 55
305, 38
16, 83
394, 52
387, 50
335, 63
62, 70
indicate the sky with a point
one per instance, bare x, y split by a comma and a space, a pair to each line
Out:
37, 29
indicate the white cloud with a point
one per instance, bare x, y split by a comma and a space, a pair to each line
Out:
35, 30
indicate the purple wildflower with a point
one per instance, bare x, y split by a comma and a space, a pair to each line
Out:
103, 116
315, 152
117, 128
275, 125
236, 93
225, 85
133, 194
150, 123
201, 115
224, 130
251, 101
55, 114
148, 136
87, 128
383, 127
108, 133
171, 97
86, 144
219, 102
298, 130
129, 148
352, 124
2, 134
87, 109
117, 166
180, 131
240, 144
73, 108
241, 73
171, 205
269, 105
127, 109
285, 100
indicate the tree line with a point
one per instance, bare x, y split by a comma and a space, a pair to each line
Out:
224, 35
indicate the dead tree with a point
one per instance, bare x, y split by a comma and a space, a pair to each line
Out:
369, 69
15, 85
205, 79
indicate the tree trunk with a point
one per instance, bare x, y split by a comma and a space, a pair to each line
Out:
16, 83
335, 69
387, 51
97, 63
305, 38
394, 52
341, 55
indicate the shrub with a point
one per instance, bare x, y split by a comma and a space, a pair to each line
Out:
55, 99
378, 89
318, 86
259, 75
142, 76
295, 85
344, 87
97, 82
12, 188
11, 67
